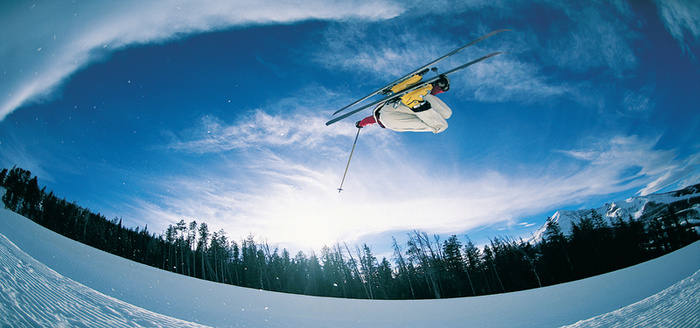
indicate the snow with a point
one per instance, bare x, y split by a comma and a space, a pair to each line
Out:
677, 306
49, 280
32, 295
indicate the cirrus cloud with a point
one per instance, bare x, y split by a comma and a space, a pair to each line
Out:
58, 38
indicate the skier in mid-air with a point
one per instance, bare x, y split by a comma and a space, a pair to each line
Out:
410, 104
417, 111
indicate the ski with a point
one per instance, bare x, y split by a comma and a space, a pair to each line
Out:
421, 70
412, 88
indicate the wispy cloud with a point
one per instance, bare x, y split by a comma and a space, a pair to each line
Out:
14, 153
259, 129
638, 102
378, 51
291, 123
594, 36
681, 20
510, 79
634, 162
291, 200
590, 37
363, 50
693, 177
43, 44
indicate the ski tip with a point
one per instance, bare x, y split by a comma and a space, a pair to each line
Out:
494, 32
494, 54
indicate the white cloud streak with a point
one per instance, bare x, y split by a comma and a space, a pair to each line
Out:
295, 205
592, 37
652, 169
681, 20
291, 200
508, 79
299, 125
258, 129
595, 36
43, 44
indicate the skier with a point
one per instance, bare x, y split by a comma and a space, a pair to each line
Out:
418, 111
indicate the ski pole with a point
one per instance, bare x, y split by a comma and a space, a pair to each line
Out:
348, 165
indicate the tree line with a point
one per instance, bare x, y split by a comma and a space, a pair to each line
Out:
423, 267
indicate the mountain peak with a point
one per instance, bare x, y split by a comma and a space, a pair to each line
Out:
683, 200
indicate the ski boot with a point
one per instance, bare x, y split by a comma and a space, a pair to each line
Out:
441, 85
407, 83
415, 98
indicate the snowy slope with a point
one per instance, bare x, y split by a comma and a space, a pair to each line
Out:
32, 295
676, 306
47, 279
633, 207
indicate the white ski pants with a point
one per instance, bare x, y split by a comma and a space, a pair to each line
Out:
399, 117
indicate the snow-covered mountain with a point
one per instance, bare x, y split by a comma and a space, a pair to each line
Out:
685, 201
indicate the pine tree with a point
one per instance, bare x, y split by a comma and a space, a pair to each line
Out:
583, 247
472, 258
202, 245
235, 257
299, 273
368, 269
32, 199
170, 239
454, 266
490, 264
556, 256
252, 276
385, 279
3, 174
180, 229
357, 276
420, 251
315, 283
335, 270
191, 241
404, 273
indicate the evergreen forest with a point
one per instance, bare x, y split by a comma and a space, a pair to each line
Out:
424, 267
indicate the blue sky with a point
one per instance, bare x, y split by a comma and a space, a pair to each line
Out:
176, 110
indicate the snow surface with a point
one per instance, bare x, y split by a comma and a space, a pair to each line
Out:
676, 306
32, 295
49, 280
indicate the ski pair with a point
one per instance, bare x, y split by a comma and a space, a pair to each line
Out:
419, 71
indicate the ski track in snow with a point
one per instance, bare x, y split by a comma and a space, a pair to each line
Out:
676, 306
88, 288
32, 295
